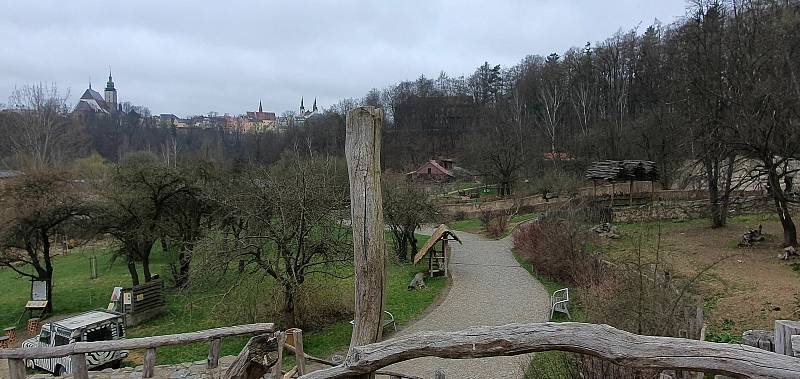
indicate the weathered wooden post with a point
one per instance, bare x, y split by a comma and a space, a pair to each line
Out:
149, 365
16, 368
213, 353
278, 367
299, 352
79, 368
784, 330
363, 152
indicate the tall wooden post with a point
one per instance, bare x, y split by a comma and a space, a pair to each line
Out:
363, 152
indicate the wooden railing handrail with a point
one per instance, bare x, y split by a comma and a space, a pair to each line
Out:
136, 343
602, 341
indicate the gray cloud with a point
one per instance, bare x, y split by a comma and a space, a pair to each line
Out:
190, 57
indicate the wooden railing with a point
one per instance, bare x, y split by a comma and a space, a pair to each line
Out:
602, 341
77, 351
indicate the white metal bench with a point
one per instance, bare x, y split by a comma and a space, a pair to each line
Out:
387, 320
559, 302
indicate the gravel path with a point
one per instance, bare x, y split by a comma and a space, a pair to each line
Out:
488, 288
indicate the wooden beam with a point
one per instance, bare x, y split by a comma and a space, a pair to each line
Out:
149, 365
16, 368
299, 352
135, 343
616, 346
277, 369
213, 353
363, 153
79, 368
250, 363
784, 330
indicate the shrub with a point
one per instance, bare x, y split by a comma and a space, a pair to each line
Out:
560, 365
557, 250
496, 226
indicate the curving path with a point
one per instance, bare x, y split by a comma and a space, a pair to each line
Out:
488, 287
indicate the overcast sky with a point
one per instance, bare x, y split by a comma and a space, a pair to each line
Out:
192, 57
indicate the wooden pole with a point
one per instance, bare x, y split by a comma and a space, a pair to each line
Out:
630, 194
363, 153
299, 353
16, 368
277, 369
149, 365
213, 353
79, 368
784, 330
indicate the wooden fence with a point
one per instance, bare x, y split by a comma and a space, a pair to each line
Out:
147, 302
77, 351
603, 341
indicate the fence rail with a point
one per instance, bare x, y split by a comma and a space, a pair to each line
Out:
602, 341
77, 351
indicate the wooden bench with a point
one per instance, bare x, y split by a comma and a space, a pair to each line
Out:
388, 320
559, 302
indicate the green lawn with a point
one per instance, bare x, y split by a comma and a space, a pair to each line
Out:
475, 226
75, 292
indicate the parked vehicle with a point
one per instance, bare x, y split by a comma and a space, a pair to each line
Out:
87, 327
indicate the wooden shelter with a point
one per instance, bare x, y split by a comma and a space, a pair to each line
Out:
438, 259
622, 171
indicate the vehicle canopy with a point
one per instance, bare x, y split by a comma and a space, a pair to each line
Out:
87, 319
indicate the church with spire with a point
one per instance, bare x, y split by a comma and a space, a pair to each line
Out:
92, 103
306, 114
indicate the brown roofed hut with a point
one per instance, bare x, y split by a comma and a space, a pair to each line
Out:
622, 171
438, 259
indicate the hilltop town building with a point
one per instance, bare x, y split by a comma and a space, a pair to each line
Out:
92, 103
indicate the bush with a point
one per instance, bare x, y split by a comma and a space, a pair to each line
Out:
557, 250
497, 226
563, 365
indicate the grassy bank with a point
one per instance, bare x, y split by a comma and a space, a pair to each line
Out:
199, 309
475, 226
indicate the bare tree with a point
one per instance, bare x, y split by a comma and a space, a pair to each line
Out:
405, 208
286, 223
34, 209
41, 136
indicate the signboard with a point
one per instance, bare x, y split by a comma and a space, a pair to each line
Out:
126, 298
38, 290
36, 304
140, 297
116, 294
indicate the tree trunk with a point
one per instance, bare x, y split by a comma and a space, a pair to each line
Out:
363, 153
781, 205
288, 307
134, 273
146, 269
49, 283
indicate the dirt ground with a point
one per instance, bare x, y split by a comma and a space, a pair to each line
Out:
752, 286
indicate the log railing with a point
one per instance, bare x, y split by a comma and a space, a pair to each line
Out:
77, 351
602, 341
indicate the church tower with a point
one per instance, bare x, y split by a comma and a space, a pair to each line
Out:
111, 94
302, 107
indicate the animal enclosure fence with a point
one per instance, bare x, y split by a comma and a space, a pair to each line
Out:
143, 302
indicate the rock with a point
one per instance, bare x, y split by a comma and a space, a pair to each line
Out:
789, 252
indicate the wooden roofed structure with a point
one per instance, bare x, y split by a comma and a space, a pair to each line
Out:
439, 259
622, 171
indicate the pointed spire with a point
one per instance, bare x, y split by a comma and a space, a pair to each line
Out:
260, 109
301, 104
110, 84
314, 109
